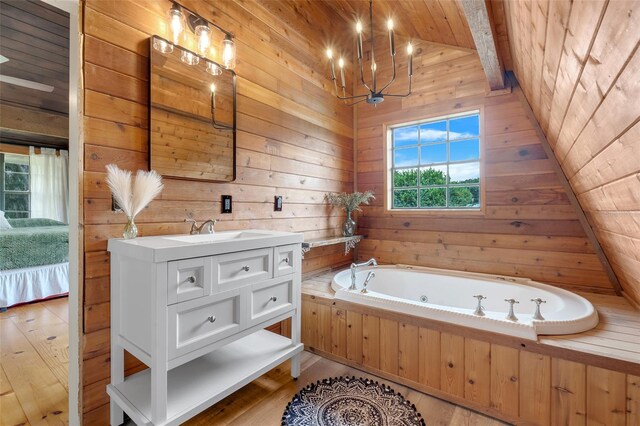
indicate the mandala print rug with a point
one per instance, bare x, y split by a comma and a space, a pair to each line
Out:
347, 401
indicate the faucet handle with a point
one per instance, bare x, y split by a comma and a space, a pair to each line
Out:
190, 220
511, 301
479, 297
538, 301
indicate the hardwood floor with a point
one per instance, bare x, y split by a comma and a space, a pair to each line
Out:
34, 364
34, 367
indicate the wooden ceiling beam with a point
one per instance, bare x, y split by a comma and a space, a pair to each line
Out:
479, 20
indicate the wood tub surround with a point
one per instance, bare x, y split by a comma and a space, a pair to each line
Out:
587, 378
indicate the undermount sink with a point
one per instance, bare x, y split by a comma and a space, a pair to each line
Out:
218, 236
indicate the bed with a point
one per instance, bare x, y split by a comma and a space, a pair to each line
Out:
34, 260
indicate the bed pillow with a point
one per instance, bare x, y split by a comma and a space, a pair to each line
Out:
4, 224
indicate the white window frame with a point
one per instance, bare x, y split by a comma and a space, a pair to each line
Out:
389, 158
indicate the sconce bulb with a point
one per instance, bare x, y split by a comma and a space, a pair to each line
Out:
228, 53
176, 23
390, 24
358, 27
329, 53
409, 49
213, 88
204, 41
341, 63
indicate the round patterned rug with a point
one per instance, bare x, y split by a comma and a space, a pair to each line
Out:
350, 401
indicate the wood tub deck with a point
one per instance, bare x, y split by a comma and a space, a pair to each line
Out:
586, 378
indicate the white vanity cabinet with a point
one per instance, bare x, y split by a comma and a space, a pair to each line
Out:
194, 309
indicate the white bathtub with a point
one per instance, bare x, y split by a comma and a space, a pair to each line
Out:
449, 298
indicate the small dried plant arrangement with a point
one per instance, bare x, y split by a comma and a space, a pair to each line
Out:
349, 203
133, 195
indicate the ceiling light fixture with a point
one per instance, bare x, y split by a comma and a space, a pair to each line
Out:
180, 19
374, 96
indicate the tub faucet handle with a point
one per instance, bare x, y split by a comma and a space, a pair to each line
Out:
537, 315
511, 316
371, 275
479, 309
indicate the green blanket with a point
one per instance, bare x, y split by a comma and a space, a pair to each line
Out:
26, 245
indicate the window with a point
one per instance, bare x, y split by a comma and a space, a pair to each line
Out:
435, 164
14, 185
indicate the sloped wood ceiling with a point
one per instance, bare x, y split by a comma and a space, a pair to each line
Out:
439, 21
579, 66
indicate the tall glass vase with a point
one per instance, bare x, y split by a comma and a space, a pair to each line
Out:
349, 226
131, 230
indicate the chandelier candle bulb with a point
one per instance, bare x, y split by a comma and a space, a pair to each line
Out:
341, 65
410, 52
213, 96
392, 42
359, 43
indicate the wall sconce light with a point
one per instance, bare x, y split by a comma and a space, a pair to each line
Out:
180, 18
216, 125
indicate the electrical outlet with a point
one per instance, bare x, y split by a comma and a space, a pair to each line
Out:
277, 203
115, 207
227, 204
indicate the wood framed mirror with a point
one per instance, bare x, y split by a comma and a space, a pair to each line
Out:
192, 111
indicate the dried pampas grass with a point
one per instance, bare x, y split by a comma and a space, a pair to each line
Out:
132, 198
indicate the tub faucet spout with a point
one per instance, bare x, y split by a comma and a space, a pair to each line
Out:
354, 268
371, 275
537, 315
511, 316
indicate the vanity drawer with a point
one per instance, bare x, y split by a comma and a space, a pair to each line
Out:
270, 299
286, 259
198, 323
188, 279
237, 269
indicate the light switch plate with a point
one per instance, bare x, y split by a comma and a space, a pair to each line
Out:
277, 203
227, 204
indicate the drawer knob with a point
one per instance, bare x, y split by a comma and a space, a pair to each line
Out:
286, 260
191, 279
211, 319
273, 299
245, 268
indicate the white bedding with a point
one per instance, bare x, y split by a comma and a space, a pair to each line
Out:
34, 283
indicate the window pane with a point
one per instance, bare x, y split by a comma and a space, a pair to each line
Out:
405, 198
433, 197
16, 202
464, 173
405, 157
16, 215
464, 127
465, 150
405, 136
16, 181
430, 154
16, 163
436, 175
433, 132
464, 196
405, 178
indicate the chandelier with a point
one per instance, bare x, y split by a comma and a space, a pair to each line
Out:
374, 96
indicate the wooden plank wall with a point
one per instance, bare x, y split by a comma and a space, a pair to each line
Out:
294, 140
528, 227
504, 381
578, 64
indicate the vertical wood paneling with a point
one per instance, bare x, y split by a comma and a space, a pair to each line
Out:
429, 357
339, 332
371, 341
354, 337
633, 400
389, 346
309, 332
606, 397
505, 380
477, 371
324, 328
535, 388
568, 393
452, 363
408, 361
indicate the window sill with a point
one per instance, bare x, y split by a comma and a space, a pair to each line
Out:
434, 212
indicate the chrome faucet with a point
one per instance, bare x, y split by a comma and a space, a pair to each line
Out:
195, 229
511, 316
537, 315
371, 275
355, 266
479, 309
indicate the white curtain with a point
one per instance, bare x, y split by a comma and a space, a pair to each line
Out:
49, 184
